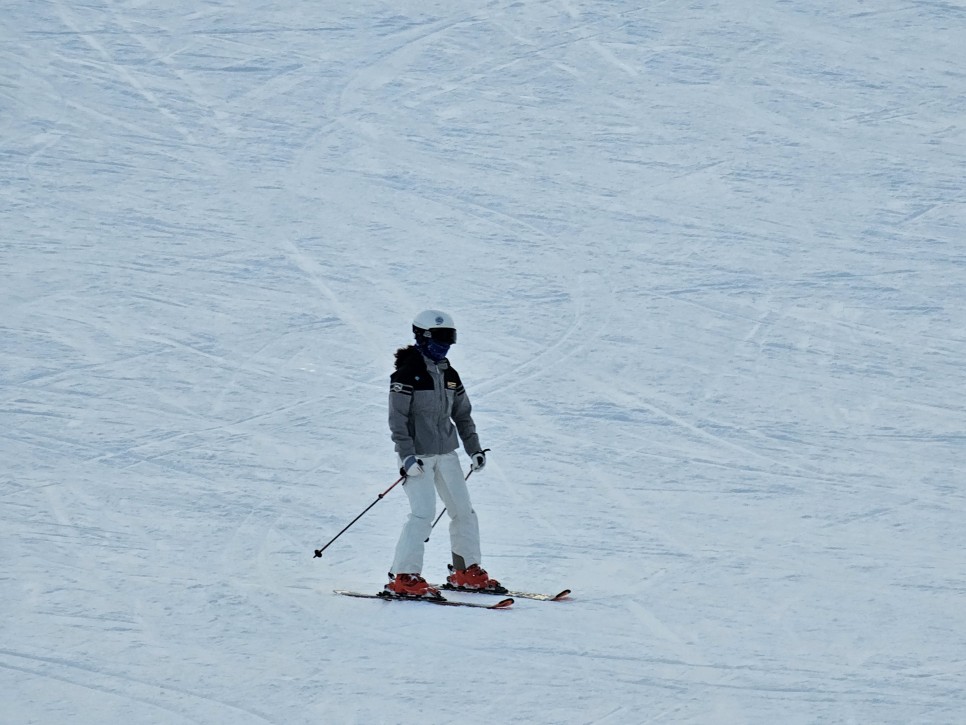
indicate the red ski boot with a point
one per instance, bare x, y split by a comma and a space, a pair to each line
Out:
412, 585
473, 578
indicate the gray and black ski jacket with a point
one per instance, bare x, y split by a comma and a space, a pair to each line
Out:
428, 407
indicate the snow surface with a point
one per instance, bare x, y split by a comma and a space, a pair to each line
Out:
707, 261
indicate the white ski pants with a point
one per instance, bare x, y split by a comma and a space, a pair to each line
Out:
442, 474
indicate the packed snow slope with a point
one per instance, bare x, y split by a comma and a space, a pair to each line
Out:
707, 263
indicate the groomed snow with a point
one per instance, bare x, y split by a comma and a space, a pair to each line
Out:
707, 263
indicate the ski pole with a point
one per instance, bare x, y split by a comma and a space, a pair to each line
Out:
444, 508
318, 552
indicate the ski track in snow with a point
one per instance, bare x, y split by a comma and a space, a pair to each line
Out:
705, 264
197, 708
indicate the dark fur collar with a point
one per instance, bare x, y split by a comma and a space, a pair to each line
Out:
406, 356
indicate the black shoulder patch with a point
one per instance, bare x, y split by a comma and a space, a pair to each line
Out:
410, 378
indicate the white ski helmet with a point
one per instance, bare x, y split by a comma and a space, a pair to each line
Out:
435, 325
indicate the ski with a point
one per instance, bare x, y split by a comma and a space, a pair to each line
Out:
386, 597
509, 593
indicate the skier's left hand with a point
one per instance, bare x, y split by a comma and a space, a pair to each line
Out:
478, 460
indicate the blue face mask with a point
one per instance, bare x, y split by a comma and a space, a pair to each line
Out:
435, 351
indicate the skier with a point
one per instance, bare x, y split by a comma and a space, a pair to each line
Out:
428, 408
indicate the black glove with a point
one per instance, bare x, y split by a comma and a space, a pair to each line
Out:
478, 460
412, 466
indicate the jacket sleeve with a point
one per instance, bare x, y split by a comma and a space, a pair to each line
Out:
463, 418
400, 402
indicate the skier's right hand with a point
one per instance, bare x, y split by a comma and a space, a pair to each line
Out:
411, 466
478, 460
